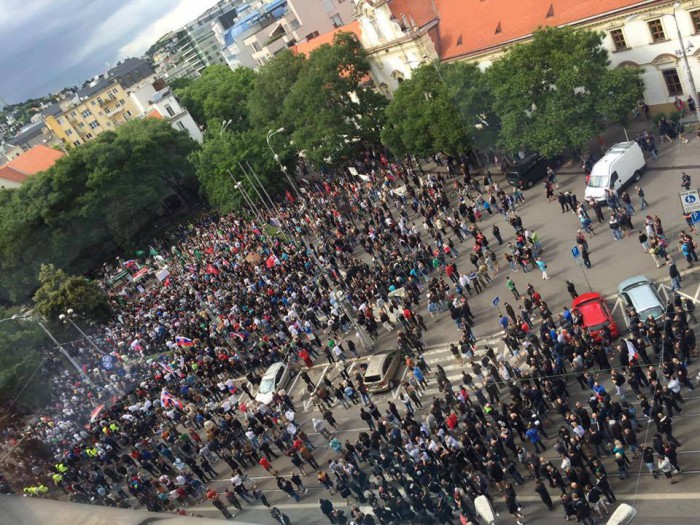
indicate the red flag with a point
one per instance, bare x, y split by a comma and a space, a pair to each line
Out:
271, 261
289, 196
327, 186
211, 270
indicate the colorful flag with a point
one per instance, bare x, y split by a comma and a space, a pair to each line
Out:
211, 270
239, 335
169, 369
167, 399
183, 341
289, 196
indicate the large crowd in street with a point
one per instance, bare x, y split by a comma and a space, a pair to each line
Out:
319, 276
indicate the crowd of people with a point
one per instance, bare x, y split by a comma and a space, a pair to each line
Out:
170, 398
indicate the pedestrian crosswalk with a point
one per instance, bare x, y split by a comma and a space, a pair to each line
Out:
443, 356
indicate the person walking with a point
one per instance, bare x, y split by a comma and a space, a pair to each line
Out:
216, 501
571, 288
675, 275
543, 267
512, 287
642, 201
664, 465
541, 489
534, 436
614, 224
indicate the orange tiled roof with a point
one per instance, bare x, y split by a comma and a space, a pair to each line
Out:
7, 173
39, 158
469, 26
326, 38
154, 114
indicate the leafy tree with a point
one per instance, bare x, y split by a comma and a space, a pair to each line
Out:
99, 199
557, 91
329, 111
217, 161
20, 375
219, 95
273, 83
59, 291
442, 107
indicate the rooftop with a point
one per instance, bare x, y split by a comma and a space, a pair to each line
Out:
39, 158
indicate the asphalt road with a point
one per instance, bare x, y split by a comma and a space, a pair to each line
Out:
656, 500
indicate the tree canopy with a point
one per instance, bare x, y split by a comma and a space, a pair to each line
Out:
99, 199
443, 107
331, 113
557, 91
220, 94
58, 292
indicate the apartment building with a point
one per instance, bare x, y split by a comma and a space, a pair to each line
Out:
264, 28
99, 107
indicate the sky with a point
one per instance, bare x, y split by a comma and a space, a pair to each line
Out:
48, 44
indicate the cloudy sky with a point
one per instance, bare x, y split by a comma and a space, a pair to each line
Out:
49, 44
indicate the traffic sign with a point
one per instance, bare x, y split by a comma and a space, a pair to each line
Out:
690, 200
496, 301
695, 217
575, 252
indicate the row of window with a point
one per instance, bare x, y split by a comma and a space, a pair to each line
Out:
656, 30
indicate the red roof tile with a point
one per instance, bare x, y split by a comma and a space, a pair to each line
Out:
154, 114
39, 158
7, 173
326, 38
469, 26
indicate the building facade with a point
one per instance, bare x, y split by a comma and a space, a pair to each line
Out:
401, 34
91, 111
153, 98
267, 27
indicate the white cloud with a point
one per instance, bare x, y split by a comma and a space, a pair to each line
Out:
183, 12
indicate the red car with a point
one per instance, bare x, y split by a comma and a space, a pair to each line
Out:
596, 314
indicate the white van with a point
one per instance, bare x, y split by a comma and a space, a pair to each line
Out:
622, 164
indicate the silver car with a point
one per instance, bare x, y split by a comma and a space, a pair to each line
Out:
639, 293
276, 377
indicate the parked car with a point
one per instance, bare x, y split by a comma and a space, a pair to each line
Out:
596, 315
381, 370
639, 293
527, 171
275, 378
622, 164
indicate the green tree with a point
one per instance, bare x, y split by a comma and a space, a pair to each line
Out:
58, 292
220, 94
273, 83
557, 91
330, 112
442, 107
101, 198
217, 161
20, 373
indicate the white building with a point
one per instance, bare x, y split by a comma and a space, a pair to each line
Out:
264, 28
154, 99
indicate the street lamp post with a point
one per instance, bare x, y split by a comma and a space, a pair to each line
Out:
312, 253
683, 53
28, 317
67, 317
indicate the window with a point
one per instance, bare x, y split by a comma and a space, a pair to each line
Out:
88, 136
169, 110
109, 124
695, 18
76, 143
336, 21
673, 83
58, 121
86, 113
181, 126
121, 102
657, 31
81, 125
618, 39
92, 102
255, 47
328, 5
94, 124
294, 24
69, 132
